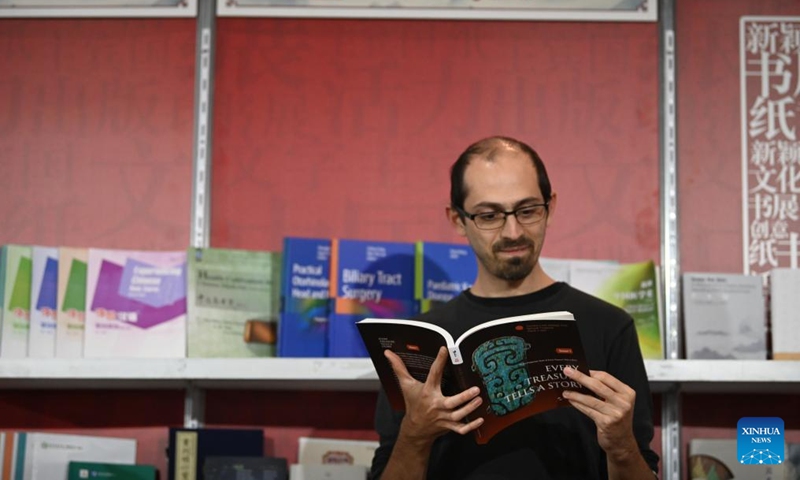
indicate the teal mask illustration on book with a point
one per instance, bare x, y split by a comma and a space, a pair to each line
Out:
501, 363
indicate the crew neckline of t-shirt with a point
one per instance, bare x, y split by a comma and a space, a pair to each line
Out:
489, 302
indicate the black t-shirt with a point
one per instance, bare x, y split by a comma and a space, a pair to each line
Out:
557, 444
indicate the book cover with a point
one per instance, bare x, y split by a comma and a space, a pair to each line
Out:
337, 451
245, 468
44, 297
724, 316
16, 273
517, 362
715, 459
136, 304
784, 283
305, 298
12, 461
368, 279
188, 449
71, 314
328, 472
634, 287
111, 471
47, 455
442, 271
232, 302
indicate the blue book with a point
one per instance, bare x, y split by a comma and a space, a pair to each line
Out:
188, 448
305, 298
368, 279
443, 270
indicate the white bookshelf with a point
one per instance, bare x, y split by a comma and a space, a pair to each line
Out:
693, 376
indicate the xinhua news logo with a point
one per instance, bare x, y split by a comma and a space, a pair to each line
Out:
760, 441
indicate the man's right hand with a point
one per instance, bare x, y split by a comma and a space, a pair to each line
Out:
429, 413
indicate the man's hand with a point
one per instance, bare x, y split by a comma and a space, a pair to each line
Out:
612, 413
429, 413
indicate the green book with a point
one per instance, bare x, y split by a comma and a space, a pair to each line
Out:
232, 302
92, 470
17, 272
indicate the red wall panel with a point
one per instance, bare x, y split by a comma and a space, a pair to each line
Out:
709, 129
96, 132
348, 128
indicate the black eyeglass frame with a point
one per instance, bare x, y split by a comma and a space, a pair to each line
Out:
505, 214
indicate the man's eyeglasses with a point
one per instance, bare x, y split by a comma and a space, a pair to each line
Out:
526, 215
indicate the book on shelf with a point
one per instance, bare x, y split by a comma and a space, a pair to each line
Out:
46, 456
792, 464
245, 468
784, 301
305, 297
70, 318
232, 302
368, 279
336, 451
15, 288
442, 271
188, 449
110, 471
724, 316
327, 471
136, 304
44, 300
517, 362
634, 287
716, 459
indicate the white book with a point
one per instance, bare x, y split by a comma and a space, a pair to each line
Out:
327, 472
716, 459
724, 316
70, 318
135, 304
15, 287
316, 451
47, 455
785, 313
44, 300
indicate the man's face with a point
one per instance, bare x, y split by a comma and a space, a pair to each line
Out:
507, 183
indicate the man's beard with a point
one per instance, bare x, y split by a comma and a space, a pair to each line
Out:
515, 268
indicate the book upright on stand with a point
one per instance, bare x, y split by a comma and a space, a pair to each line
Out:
784, 285
517, 362
305, 298
634, 287
71, 315
136, 304
188, 448
44, 300
15, 287
232, 302
368, 279
443, 270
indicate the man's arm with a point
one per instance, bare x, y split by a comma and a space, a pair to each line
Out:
612, 413
429, 414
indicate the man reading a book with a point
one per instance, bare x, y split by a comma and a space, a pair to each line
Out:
502, 202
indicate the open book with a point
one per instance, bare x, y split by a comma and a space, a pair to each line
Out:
517, 362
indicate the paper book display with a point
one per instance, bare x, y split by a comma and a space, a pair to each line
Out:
442, 271
15, 286
305, 298
785, 313
71, 315
634, 287
724, 316
44, 299
232, 302
136, 304
516, 362
368, 279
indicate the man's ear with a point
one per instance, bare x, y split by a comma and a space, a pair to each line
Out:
455, 220
551, 207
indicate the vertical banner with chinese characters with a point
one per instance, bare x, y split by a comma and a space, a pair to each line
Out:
770, 83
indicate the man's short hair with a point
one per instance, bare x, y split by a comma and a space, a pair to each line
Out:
487, 149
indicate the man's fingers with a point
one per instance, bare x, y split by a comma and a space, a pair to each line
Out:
464, 428
397, 365
466, 409
460, 399
596, 385
437, 369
